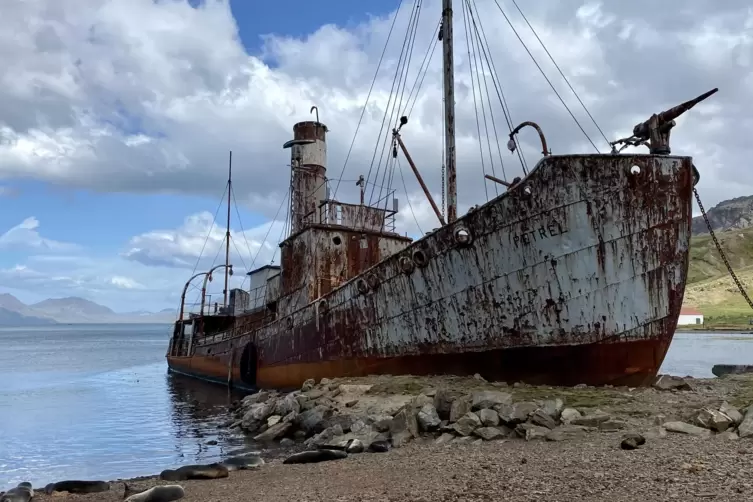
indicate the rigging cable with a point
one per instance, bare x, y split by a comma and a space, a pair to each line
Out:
489, 102
547, 78
427, 60
561, 73
407, 198
389, 100
498, 88
368, 96
475, 107
410, 37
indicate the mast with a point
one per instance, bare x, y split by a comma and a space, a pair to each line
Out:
227, 232
449, 110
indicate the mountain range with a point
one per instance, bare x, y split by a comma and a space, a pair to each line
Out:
72, 310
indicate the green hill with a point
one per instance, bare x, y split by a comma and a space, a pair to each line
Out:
710, 287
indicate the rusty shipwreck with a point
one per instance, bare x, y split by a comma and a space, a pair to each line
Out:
575, 274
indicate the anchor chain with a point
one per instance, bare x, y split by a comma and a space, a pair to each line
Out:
721, 251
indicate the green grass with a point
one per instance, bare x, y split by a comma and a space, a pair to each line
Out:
710, 288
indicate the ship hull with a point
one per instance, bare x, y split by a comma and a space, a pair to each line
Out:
575, 275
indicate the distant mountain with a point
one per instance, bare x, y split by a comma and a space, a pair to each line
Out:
11, 318
72, 310
732, 214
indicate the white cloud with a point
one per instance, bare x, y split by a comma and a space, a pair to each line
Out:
144, 96
25, 235
125, 282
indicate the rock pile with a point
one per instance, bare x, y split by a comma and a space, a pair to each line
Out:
726, 420
350, 418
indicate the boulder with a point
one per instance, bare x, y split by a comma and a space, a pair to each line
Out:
592, 419
467, 424
565, 432
685, 428
273, 432
513, 414
489, 399
313, 421
489, 418
745, 429
713, 420
259, 397
443, 402
612, 425
428, 418
568, 415
308, 385
274, 419
669, 382
444, 438
460, 407
732, 412
403, 427
542, 418
490, 433
632, 441
553, 408
530, 431
287, 405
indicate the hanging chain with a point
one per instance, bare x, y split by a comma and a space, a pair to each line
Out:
444, 153
721, 251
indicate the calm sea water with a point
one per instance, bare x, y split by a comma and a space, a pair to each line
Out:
96, 402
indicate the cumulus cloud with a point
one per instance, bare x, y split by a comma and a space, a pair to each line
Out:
144, 96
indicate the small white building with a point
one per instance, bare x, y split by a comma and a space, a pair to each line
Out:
689, 315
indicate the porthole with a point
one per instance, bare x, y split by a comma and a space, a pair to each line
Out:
419, 257
406, 264
323, 306
373, 281
336, 240
463, 236
362, 286
635, 170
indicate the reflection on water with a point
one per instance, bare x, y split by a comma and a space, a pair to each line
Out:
96, 402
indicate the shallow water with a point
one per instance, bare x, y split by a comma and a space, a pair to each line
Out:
96, 402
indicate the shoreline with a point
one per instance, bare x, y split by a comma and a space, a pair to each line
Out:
575, 457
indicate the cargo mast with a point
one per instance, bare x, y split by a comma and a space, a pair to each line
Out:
449, 110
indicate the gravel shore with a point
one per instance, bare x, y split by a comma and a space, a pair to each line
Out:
520, 442
677, 467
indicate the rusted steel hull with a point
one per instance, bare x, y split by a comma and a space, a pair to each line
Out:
575, 275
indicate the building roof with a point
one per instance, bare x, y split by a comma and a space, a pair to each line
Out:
690, 311
263, 267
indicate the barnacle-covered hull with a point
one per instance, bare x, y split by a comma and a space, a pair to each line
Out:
574, 275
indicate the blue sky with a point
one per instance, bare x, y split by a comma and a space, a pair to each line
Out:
116, 121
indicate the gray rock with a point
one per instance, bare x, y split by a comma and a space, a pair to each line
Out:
490, 433
713, 420
565, 432
655, 433
443, 402
290, 417
745, 429
259, 397
324, 437
489, 418
273, 432
728, 435
358, 426
403, 427
464, 440
669, 382
489, 399
460, 407
383, 424
632, 441
345, 421
314, 394
685, 428
287, 405
308, 385
312, 421
660, 419
592, 419
256, 415
612, 425
531, 431
553, 407
428, 418
272, 420
287, 442
325, 381
542, 418
444, 438
731, 412
467, 424
568, 415
513, 414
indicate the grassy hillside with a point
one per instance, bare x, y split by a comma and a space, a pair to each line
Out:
710, 288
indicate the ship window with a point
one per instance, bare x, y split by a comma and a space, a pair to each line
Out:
337, 240
635, 170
